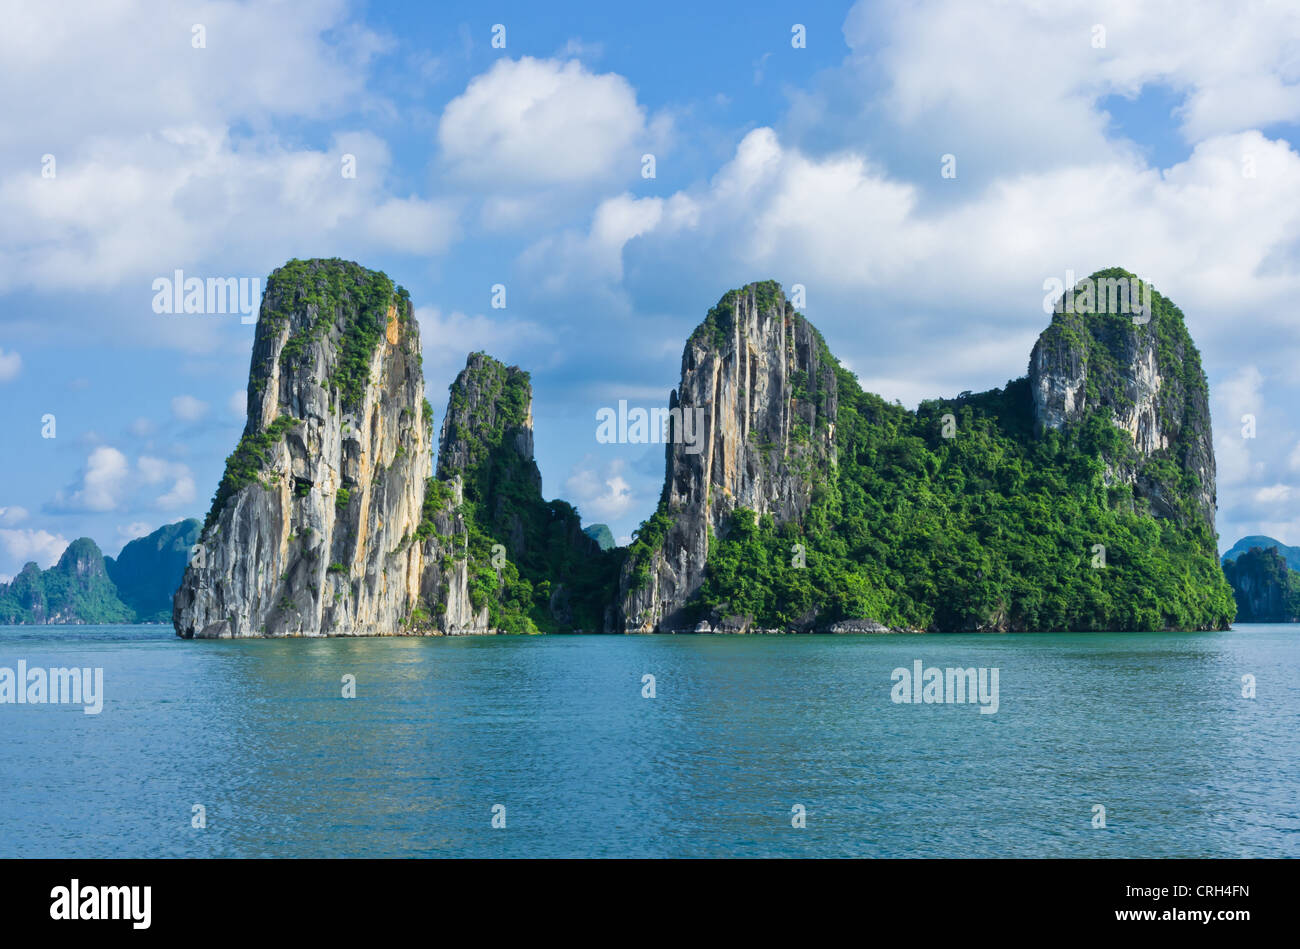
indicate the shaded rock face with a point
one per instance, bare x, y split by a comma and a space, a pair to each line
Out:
26, 596
756, 379
487, 441
312, 527
487, 494
490, 407
444, 583
327, 521
1149, 376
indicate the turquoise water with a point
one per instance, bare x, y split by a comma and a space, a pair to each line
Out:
1151, 726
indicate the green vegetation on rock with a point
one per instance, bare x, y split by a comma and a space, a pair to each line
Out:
997, 528
149, 569
246, 464
1265, 588
601, 534
554, 578
338, 296
77, 589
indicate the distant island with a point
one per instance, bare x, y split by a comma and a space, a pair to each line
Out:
1265, 580
602, 535
87, 588
1290, 554
1078, 497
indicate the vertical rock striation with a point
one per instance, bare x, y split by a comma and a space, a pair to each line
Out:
312, 525
758, 395
1148, 376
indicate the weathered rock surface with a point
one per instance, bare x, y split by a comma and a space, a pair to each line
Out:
311, 531
758, 405
1149, 376
327, 521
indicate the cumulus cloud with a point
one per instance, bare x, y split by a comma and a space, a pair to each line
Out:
1234, 398
109, 482
575, 263
1273, 494
945, 76
13, 514
134, 209
447, 338
128, 532
541, 122
41, 546
154, 471
599, 492
102, 486
257, 62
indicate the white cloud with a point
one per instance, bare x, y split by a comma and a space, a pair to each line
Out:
188, 409
10, 365
102, 486
600, 494
237, 404
1017, 87
109, 482
1273, 494
133, 530
134, 209
570, 262
13, 514
531, 122
260, 61
157, 470
1233, 398
38, 545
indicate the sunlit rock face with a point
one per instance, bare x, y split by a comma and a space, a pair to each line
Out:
1143, 369
756, 404
312, 529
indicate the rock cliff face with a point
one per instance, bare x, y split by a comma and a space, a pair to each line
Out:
484, 453
810, 505
757, 405
327, 521
792, 499
311, 529
1147, 375
499, 557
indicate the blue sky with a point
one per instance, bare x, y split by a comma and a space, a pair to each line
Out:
1169, 149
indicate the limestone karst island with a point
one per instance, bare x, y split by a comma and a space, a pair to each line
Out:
1078, 497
